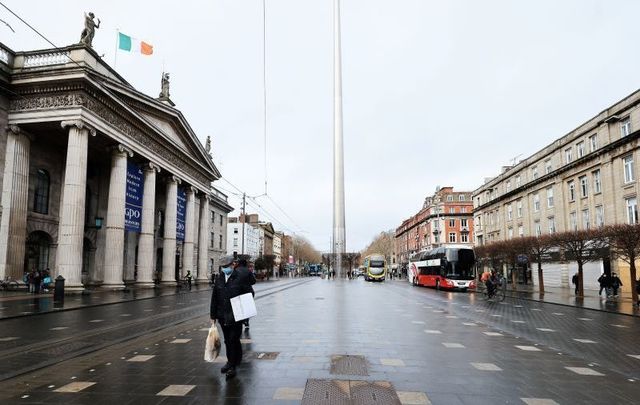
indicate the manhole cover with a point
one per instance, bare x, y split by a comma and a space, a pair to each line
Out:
334, 392
376, 392
349, 365
262, 355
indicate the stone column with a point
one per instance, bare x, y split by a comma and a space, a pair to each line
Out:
15, 190
169, 243
203, 243
189, 233
71, 226
146, 256
114, 245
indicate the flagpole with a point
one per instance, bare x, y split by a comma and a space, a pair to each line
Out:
115, 56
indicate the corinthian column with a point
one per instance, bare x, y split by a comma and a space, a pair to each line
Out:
169, 243
15, 188
189, 235
203, 242
145, 242
114, 246
71, 226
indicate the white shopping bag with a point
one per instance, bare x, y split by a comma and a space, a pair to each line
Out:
212, 346
243, 306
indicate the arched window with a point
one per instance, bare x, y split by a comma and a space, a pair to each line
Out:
41, 196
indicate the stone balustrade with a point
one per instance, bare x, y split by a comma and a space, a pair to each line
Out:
47, 59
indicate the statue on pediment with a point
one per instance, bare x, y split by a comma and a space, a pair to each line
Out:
207, 145
164, 89
90, 26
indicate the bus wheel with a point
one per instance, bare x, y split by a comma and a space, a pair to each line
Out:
438, 285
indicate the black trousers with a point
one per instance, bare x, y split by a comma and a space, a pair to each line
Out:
232, 343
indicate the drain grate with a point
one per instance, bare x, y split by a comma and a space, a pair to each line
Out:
376, 392
345, 392
334, 392
349, 365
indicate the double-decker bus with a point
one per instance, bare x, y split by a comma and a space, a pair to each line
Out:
447, 267
375, 267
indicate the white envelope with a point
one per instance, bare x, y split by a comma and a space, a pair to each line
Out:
243, 307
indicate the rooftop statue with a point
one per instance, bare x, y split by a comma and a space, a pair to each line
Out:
207, 145
86, 37
164, 92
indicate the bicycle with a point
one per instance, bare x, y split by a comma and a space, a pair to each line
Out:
9, 285
499, 292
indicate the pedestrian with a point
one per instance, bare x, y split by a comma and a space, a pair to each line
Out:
605, 282
615, 284
37, 278
576, 281
638, 291
230, 282
189, 278
31, 279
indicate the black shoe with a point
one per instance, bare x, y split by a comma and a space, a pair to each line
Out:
231, 373
226, 368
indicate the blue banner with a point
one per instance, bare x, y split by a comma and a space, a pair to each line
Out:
133, 201
182, 210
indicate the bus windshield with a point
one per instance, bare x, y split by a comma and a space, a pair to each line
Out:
376, 263
460, 264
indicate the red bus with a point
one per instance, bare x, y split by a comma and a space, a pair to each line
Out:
446, 267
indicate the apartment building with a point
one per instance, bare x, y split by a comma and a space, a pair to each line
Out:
585, 179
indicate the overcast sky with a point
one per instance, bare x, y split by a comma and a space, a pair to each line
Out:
435, 92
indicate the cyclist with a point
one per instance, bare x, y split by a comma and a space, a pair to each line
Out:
490, 280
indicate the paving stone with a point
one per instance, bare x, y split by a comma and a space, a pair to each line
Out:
413, 398
453, 345
584, 371
75, 386
493, 334
432, 331
539, 401
176, 390
392, 362
585, 341
529, 348
288, 394
486, 366
141, 358
180, 341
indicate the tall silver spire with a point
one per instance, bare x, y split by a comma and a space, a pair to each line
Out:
339, 246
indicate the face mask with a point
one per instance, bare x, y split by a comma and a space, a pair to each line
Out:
227, 270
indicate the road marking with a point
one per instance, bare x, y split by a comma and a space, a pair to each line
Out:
517, 306
635, 356
518, 321
558, 313
539, 401
536, 309
9, 338
584, 341
619, 326
546, 330
452, 317
392, 362
432, 331
486, 366
141, 358
125, 314
176, 390
289, 394
497, 316
437, 311
585, 319
453, 345
96, 320
60, 328
418, 322
75, 386
529, 348
469, 324
180, 341
493, 334
413, 398
583, 371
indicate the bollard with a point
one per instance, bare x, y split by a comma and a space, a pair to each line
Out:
58, 290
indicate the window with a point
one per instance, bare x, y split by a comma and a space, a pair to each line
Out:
41, 195
508, 185
632, 210
463, 209
463, 223
593, 142
510, 233
509, 212
452, 237
235, 242
628, 168
584, 186
461, 197
552, 225
221, 219
519, 208
625, 127
573, 221
449, 197
538, 228
464, 237
219, 241
452, 210
572, 190
568, 155
436, 224
550, 197
436, 238
517, 181
211, 239
580, 149
452, 223
599, 216
597, 186
212, 216
521, 231
585, 219
536, 202
235, 230
547, 166
534, 172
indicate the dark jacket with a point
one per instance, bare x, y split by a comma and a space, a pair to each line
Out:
240, 282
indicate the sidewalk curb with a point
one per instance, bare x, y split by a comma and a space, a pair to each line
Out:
572, 306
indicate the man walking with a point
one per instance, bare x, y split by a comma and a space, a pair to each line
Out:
228, 284
576, 282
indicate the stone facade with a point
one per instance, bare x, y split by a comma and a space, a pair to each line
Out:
73, 127
586, 178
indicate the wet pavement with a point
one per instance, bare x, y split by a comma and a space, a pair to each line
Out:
319, 341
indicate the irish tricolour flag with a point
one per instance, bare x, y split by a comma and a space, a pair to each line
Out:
130, 44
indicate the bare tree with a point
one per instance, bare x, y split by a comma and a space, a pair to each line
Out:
582, 246
383, 243
538, 249
624, 241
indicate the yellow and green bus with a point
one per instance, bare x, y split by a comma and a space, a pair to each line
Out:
375, 267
